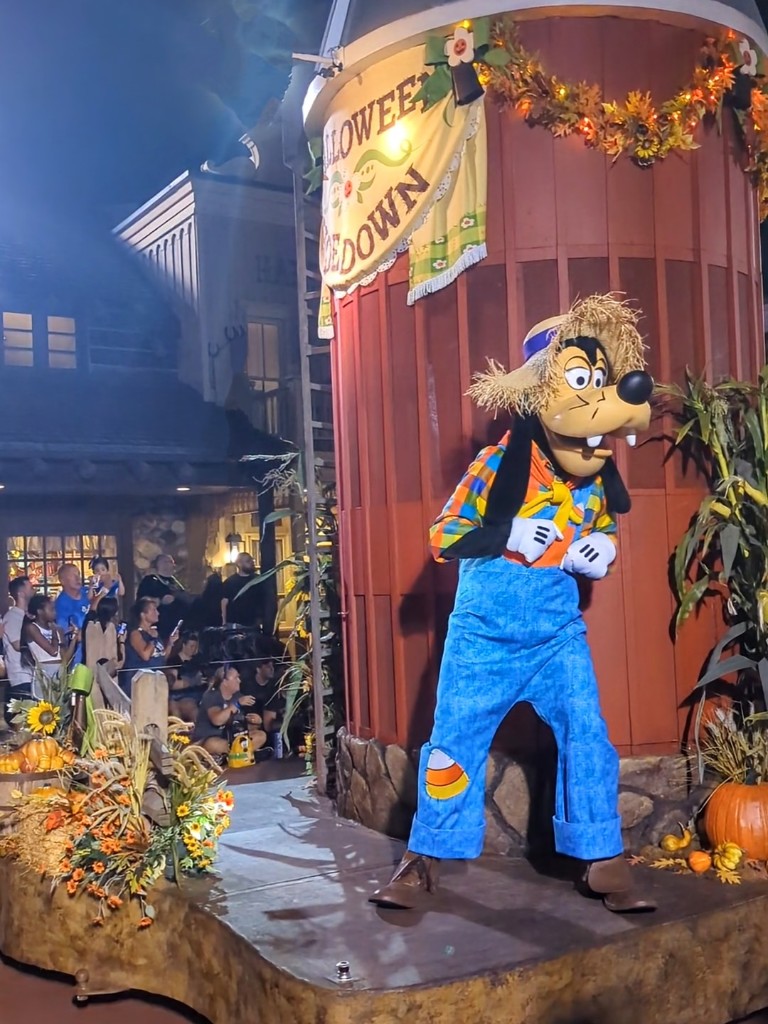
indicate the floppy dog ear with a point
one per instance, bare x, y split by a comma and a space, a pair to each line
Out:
616, 494
511, 482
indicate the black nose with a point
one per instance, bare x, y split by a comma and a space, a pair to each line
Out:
635, 387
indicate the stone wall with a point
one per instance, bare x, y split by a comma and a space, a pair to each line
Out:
376, 785
157, 533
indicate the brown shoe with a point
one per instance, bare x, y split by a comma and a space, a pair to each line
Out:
612, 880
415, 877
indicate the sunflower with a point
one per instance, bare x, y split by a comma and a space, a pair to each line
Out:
43, 718
182, 810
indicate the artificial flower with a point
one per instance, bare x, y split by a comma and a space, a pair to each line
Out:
43, 718
748, 59
145, 922
460, 48
182, 811
78, 875
54, 820
98, 868
71, 887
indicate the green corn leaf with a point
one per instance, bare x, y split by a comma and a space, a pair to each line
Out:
730, 536
278, 515
730, 637
691, 599
684, 431
762, 669
736, 663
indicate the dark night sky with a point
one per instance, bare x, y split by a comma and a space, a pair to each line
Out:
106, 101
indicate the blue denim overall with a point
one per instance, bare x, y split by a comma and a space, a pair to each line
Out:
516, 634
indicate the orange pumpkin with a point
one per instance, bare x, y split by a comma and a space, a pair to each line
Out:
10, 763
34, 750
736, 813
699, 862
48, 792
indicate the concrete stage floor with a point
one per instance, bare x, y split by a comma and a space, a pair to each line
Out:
502, 944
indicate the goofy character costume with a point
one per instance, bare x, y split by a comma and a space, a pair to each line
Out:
531, 513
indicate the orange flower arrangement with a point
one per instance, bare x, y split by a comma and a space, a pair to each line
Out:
98, 842
636, 126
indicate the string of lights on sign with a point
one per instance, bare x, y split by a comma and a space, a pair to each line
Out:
479, 57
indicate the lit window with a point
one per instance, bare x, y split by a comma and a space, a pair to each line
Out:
262, 366
62, 346
263, 359
40, 558
17, 339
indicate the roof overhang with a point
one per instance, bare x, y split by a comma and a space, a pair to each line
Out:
414, 28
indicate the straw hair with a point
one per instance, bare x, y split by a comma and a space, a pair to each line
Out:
530, 388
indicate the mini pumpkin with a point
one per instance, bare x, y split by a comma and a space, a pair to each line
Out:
10, 764
728, 856
699, 861
48, 793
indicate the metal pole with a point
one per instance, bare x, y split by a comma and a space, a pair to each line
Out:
311, 504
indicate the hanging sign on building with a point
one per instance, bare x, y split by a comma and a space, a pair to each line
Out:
400, 176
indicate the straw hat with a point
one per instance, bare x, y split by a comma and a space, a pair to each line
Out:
529, 389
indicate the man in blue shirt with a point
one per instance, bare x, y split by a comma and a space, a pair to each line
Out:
72, 604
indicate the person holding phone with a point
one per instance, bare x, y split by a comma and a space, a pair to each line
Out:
103, 583
72, 604
145, 650
44, 644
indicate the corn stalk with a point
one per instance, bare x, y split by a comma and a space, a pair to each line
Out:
723, 430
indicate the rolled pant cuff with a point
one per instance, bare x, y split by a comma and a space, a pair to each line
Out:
446, 843
596, 840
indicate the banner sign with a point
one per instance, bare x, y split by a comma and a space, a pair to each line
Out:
387, 161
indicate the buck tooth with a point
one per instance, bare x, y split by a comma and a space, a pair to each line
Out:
631, 440
594, 442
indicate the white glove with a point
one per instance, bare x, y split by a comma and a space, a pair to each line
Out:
590, 556
532, 537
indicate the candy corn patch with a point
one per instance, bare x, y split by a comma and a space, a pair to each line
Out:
444, 777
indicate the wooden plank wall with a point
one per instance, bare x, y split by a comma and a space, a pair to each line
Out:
681, 239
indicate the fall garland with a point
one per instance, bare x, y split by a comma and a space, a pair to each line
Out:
727, 71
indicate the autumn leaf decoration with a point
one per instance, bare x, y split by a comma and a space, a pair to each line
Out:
727, 69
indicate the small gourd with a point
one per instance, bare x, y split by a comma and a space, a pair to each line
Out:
672, 843
728, 856
699, 861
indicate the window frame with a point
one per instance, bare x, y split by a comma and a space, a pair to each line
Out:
18, 330
48, 582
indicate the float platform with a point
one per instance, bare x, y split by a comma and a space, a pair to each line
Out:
502, 944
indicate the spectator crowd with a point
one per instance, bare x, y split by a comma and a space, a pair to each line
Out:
218, 654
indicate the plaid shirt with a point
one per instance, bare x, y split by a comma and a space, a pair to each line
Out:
577, 508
